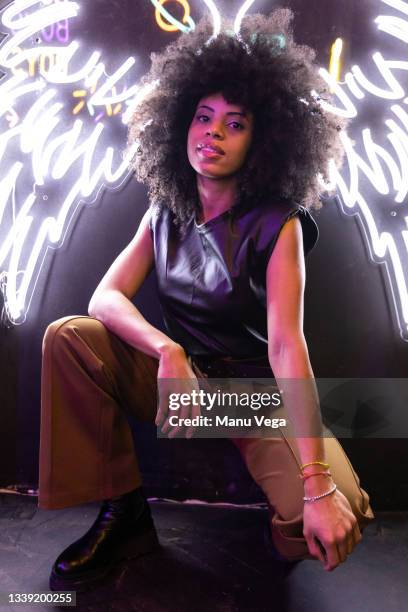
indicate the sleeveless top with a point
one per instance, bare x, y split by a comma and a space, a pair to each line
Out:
212, 284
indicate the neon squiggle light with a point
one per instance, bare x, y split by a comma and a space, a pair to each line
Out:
384, 166
241, 14
76, 158
384, 247
216, 17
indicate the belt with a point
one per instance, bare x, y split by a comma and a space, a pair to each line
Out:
225, 367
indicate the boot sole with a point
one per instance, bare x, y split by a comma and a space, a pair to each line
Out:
135, 547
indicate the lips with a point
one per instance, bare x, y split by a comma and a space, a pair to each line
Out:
210, 148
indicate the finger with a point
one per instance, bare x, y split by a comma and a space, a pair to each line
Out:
195, 413
161, 411
350, 544
342, 548
184, 413
175, 431
357, 537
332, 555
192, 409
315, 549
163, 402
166, 425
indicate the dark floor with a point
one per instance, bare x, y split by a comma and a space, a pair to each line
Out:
213, 559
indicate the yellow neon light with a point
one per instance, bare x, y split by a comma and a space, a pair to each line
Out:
82, 93
167, 27
38, 65
110, 111
78, 107
335, 59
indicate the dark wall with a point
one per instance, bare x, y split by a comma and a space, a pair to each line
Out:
349, 320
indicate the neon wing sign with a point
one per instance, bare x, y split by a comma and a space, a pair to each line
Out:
377, 165
384, 171
81, 157
45, 155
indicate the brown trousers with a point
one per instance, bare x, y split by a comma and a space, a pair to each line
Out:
91, 378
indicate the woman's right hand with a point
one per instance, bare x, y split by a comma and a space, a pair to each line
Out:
175, 376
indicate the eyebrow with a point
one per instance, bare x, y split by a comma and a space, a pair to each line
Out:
229, 113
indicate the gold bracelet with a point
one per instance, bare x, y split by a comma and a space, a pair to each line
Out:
306, 476
326, 465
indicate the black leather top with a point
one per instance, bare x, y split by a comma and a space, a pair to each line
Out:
212, 283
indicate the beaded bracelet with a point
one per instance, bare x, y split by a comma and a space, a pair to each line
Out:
312, 499
306, 476
326, 465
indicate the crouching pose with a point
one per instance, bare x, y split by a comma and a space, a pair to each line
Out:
230, 144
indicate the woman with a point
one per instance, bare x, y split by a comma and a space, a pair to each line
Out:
228, 141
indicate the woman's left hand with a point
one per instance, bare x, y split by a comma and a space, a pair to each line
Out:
330, 521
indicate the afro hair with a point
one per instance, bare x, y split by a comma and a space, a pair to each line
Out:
261, 69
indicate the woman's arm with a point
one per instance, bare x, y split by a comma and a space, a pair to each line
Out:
288, 353
330, 520
110, 302
111, 305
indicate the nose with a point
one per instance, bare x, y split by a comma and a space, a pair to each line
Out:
214, 131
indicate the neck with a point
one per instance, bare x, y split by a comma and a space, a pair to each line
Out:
216, 196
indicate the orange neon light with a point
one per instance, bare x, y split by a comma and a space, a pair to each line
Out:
164, 25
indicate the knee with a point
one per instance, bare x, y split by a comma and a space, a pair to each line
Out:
60, 330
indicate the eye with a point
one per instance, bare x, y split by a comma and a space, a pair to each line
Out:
236, 125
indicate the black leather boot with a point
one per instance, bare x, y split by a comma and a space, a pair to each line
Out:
123, 529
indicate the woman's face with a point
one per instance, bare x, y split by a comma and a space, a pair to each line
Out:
219, 137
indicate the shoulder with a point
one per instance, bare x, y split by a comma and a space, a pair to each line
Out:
283, 218
298, 229
288, 249
161, 217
